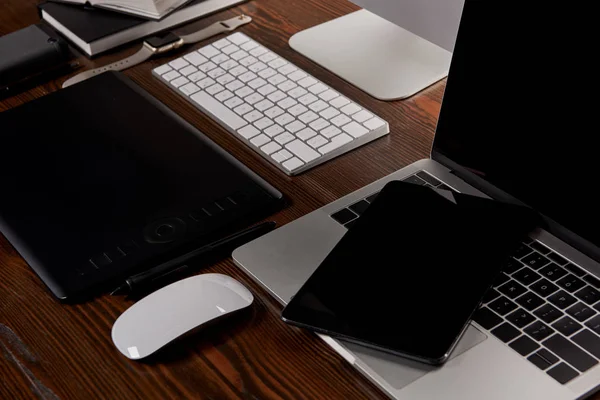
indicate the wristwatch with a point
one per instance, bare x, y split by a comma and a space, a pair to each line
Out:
162, 44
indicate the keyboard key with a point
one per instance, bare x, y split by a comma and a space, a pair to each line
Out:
535, 260
581, 312
267, 89
277, 63
190, 69
308, 98
253, 116
287, 103
274, 130
530, 301
179, 63
277, 79
572, 354
260, 140
224, 114
243, 109
263, 105
281, 156
502, 306
574, 269
490, 295
219, 44
372, 197
562, 299
548, 313
169, 76
562, 373
189, 89
486, 318
329, 113
253, 98
287, 86
238, 55
225, 79
570, 283
249, 45
284, 138
343, 216
512, 265
557, 259
195, 58
234, 102
317, 141
248, 61
224, 95
257, 83
330, 131
284, 119
501, 279
340, 120
292, 164
539, 331
526, 276
595, 282
512, 289
206, 67
297, 110
594, 324
355, 129
205, 83
306, 134
317, 88
360, 207
520, 318
239, 70
274, 112
428, 178
235, 85
196, 76
302, 151
350, 109
248, 131
277, 96
270, 148
524, 345
257, 67
319, 124
588, 294
258, 51
544, 287
540, 247
297, 75
588, 341
374, 123
263, 123
217, 72
362, 116
297, 92
553, 272
506, 332
229, 64
238, 38
540, 359
306, 82
567, 326
522, 251
268, 57
337, 142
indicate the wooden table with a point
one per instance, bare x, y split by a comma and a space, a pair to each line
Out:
51, 350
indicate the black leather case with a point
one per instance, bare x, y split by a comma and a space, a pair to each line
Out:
30, 52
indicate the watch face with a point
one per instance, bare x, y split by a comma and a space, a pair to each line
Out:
159, 41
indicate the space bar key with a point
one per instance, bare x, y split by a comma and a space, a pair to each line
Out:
219, 111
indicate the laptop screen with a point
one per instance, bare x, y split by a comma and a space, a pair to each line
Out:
518, 114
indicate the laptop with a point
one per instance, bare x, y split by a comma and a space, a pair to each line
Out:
515, 125
106, 181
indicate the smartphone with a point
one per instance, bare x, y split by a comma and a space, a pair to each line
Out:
408, 276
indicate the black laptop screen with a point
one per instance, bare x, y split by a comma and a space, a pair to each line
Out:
519, 110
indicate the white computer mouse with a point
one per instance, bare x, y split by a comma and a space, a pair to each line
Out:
168, 313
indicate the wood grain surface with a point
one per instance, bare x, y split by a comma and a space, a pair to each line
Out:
54, 351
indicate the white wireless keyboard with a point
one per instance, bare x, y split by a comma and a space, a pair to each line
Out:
290, 118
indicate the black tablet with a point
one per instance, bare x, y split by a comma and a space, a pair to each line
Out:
410, 273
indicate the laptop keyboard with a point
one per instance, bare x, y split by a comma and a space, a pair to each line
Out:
542, 306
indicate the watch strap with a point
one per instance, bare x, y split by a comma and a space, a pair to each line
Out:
139, 57
147, 51
215, 29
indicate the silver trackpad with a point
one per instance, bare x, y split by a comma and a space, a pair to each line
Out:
400, 372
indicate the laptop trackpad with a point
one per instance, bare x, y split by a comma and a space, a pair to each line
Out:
398, 371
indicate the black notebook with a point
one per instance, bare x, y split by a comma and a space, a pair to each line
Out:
105, 181
95, 30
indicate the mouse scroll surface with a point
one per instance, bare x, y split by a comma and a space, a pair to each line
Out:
170, 312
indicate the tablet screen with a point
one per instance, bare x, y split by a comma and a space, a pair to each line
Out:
410, 273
